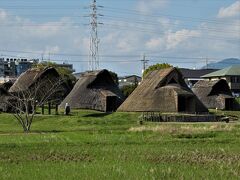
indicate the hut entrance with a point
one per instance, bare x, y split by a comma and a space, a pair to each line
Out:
186, 104
182, 104
111, 102
228, 104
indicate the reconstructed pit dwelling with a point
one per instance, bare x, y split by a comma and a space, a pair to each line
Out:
163, 91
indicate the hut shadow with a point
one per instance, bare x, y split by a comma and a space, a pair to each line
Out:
98, 114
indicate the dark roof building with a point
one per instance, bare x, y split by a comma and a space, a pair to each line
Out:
163, 91
215, 94
191, 76
95, 90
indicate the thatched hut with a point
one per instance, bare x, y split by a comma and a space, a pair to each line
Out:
95, 90
39, 82
215, 94
163, 91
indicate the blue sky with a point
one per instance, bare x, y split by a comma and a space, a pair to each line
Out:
182, 32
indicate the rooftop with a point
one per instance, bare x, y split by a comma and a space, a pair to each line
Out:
195, 73
229, 71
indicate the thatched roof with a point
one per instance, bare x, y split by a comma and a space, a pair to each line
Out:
27, 79
159, 91
41, 83
213, 93
91, 91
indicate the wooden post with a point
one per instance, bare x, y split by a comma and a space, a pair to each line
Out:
49, 108
56, 109
43, 109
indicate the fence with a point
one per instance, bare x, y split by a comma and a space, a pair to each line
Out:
158, 117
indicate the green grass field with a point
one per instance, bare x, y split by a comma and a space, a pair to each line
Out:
93, 145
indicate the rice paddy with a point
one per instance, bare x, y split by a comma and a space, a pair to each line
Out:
93, 145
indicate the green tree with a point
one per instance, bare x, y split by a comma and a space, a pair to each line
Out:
114, 76
65, 73
156, 67
127, 90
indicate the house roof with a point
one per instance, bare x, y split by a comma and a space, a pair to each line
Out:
229, 71
212, 93
90, 89
157, 92
31, 76
195, 73
206, 87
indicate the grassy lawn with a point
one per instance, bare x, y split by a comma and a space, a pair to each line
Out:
93, 145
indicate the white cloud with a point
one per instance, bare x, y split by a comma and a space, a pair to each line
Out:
231, 11
147, 6
3, 15
167, 23
172, 39
155, 43
52, 49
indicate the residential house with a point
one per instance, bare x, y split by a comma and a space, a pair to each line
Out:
129, 80
230, 74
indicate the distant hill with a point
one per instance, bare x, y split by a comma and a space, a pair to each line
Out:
223, 64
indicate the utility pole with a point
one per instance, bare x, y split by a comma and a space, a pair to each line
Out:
49, 56
206, 63
145, 63
93, 63
42, 56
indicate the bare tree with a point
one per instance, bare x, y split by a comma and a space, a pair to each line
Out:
23, 101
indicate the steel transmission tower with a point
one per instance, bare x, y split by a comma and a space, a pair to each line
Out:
93, 63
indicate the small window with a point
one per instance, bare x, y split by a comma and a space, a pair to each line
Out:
238, 79
233, 79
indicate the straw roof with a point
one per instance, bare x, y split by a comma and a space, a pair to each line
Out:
213, 93
40, 82
92, 92
159, 91
27, 79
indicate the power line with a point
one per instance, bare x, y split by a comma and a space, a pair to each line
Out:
116, 18
40, 53
157, 15
153, 31
213, 36
133, 12
154, 23
128, 61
